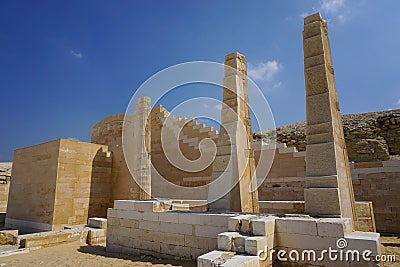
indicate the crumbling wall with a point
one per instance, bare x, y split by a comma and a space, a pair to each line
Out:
189, 139
370, 136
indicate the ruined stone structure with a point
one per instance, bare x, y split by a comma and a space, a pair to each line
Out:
70, 181
372, 136
59, 183
233, 182
328, 178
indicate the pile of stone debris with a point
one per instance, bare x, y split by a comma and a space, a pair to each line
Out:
369, 136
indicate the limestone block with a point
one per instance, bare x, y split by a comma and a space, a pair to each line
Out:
318, 108
313, 46
241, 223
322, 201
334, 227
239, 243
305, 226
264, 226
254, 244
300, 241
312, 18
124, 204
225, 240
320, 160
96, 237
242, 261
364, 241
100, 223
214, 258
328, 181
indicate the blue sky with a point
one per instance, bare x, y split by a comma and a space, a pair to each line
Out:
66, 65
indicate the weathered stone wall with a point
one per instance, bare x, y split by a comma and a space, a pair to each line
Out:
370, 136
33, 187
190, 136
146, 227
109, 132
58, 183
372, 181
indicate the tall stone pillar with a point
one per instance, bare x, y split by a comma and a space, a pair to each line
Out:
233, 183
329, 188
137, 149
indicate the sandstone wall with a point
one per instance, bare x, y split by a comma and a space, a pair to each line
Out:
58, 183
32, 190
372, 181
370, 136
189, 140
83, 183
145, 227
109, 132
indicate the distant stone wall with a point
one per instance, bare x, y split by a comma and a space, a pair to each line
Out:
5, 168
370, 136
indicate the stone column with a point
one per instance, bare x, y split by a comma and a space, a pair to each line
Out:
141, 148
329, 188
233, 183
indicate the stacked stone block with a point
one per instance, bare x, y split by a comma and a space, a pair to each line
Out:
256, 240
154, 228
329, 189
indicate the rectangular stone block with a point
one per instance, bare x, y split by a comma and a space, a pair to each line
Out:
254, 244
100, 223
329, 181
225, 240
334, 227
322, 201
264, 226
239, 243
305, 226
214, 258
318, 108
313, 46
320, 160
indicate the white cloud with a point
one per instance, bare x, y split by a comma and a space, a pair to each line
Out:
337, 9
398, 102
332, 6
76, 54
264, 71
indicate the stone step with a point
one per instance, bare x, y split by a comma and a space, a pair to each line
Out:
236, 242
226, 259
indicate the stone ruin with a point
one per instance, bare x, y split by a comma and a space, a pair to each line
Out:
72, 181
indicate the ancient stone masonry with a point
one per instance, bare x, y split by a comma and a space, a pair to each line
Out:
372, 136
329, 189
233, 176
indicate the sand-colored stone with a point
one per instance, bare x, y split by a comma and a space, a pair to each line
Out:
326, 149
234, 188
68, 181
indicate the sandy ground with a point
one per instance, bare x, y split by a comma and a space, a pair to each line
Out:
77, 254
